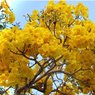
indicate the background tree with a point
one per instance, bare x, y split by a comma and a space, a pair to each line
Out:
54, 53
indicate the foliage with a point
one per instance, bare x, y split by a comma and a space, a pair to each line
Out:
54, 53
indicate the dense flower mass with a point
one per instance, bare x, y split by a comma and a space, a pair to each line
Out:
60, 40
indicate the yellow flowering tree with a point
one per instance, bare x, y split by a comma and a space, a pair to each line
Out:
53, 54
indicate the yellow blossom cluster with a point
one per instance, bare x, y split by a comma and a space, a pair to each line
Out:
5, 9
80, 54
32, 40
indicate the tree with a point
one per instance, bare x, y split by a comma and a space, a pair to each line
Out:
54, 53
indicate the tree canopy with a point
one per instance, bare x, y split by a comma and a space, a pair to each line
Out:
54, 53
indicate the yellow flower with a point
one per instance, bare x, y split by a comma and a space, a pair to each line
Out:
11, 17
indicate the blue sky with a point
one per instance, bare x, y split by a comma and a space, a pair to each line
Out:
22, 7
